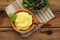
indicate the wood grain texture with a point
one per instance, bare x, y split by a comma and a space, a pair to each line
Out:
4, 21
55, 4
7, 32
12, 35
4, 3
56, 21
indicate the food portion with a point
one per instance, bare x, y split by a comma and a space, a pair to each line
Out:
23, 20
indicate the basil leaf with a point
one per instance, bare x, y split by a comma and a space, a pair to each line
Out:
12, 17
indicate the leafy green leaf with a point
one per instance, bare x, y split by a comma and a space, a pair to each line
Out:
12, 17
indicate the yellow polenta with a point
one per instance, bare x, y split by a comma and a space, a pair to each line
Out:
23, 20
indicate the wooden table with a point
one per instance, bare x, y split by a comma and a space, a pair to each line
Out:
45, 33
7, 32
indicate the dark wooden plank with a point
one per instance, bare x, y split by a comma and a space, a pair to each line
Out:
4, 21
5, 3
56, 21
55, 5
12, 35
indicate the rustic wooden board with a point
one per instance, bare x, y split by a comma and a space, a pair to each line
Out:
4, 20
12, 35
56, 21
4, 3
7, 32
55, 4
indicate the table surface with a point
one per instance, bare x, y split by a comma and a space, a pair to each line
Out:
45, 33
7, 32
55, 4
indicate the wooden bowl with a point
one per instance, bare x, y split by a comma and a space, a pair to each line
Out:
23, 31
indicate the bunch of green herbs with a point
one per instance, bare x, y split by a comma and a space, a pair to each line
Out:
36, 4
